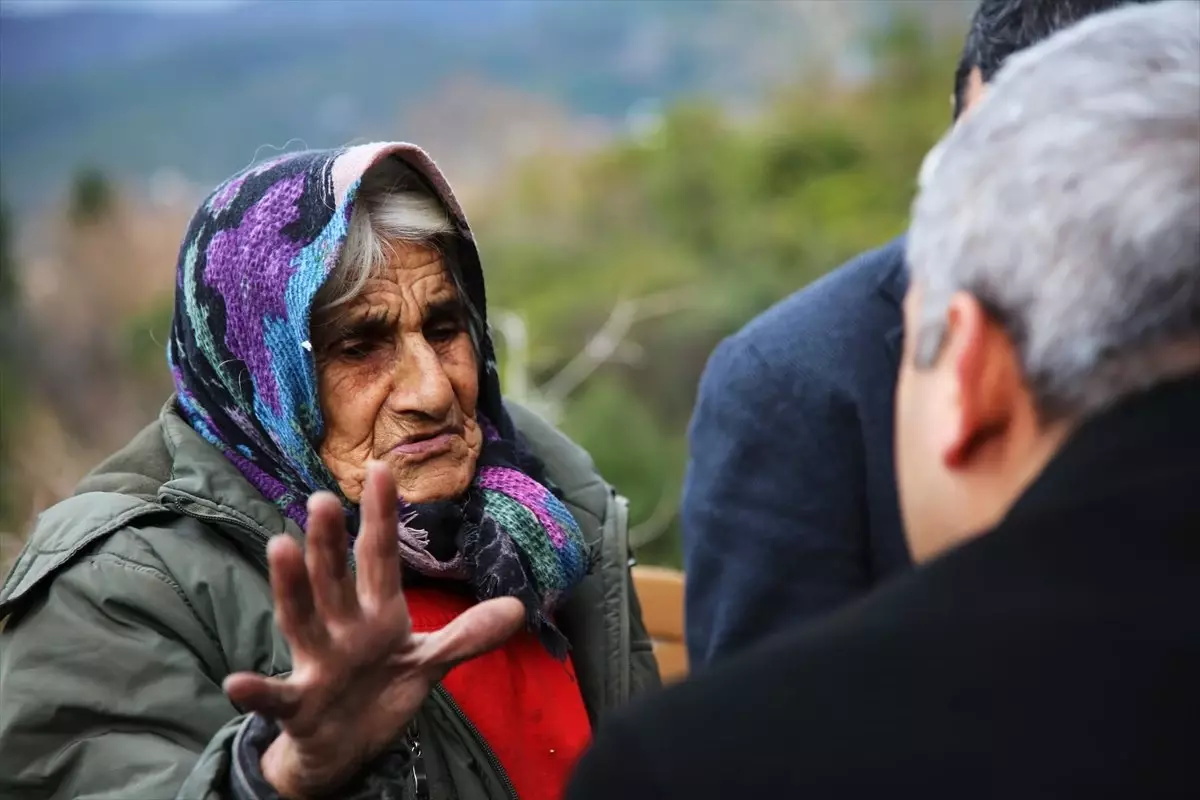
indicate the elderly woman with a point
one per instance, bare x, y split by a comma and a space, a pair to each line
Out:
194, 622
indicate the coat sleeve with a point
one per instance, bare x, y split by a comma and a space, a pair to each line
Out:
109, 690
773, 509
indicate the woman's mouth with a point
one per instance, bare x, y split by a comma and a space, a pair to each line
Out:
426, 445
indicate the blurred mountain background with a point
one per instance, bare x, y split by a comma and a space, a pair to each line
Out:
199, 89
644, 177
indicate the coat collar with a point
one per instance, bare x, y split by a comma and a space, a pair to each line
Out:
892, 286
893, 283
1131, 451
204, 481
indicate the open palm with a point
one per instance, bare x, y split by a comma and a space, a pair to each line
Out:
359, 672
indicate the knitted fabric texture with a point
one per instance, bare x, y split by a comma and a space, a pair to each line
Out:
253, 259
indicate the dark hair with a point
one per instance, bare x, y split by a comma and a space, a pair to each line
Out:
1000, 28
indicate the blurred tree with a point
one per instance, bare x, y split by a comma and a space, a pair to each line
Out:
144, 347
739, 214
8, 265
9, 395
631, 446
92, 196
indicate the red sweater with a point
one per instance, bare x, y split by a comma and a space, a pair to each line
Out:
524, 702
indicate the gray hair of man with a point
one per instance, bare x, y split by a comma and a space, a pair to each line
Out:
1068, 204
393, 206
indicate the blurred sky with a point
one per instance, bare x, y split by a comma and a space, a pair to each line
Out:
158, 6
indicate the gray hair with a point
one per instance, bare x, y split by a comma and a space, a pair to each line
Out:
1068, 204
392, 206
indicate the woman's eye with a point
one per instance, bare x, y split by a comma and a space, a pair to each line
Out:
443, 333
354, 350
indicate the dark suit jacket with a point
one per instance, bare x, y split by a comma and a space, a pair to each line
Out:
789, 506
1056, 656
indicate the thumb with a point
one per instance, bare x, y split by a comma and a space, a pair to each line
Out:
276, 698
474, 632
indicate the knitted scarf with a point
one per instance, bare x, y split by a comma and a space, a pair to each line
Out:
254, 256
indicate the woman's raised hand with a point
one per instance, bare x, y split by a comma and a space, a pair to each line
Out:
359, 672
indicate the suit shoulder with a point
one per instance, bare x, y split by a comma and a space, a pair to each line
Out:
836, 302
830, 322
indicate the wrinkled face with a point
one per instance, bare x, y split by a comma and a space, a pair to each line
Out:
398, 381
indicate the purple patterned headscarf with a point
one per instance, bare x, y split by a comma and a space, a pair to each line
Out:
252, 261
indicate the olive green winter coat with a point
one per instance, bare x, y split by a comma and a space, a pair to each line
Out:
134, 598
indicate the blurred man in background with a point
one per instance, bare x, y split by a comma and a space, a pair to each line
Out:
789, 506
1048, 459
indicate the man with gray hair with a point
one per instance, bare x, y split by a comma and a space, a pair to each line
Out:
1048, 463
778, 535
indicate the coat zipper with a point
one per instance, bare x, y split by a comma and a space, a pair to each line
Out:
487, 750
412, 738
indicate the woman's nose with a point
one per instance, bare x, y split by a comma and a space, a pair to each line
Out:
419, 382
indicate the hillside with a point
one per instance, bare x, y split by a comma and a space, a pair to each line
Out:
134, 92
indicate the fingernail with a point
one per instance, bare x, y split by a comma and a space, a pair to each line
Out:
316, 498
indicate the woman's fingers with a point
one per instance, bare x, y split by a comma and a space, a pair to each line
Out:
325, 554
377, 551
295, 611
271, 697
477, 630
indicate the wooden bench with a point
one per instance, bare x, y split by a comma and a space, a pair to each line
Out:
661, 594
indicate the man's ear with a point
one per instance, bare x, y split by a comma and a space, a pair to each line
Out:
974, 91
985, 380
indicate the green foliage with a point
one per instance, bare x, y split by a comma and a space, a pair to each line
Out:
92, 196
145, 340
623, 436
8, 264
10, 396
743, 214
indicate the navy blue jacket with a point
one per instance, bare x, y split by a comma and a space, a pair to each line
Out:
789, 506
